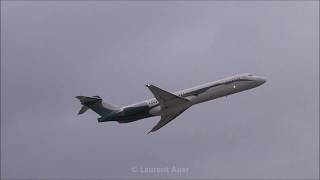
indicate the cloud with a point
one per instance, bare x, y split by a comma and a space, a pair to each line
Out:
53, 51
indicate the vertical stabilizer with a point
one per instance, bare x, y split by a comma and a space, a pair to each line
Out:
97, 105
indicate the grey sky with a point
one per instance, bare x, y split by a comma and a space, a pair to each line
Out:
53, 51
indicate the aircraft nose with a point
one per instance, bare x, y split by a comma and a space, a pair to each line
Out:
261, 80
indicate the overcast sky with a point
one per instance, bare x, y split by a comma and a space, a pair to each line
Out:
54, 51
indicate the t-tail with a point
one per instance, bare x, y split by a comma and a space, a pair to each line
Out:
97, 105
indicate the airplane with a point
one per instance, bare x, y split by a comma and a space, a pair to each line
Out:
169, 105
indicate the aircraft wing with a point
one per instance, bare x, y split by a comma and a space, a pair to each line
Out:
165, 119
168, 101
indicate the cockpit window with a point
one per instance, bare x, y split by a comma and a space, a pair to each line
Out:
250, 75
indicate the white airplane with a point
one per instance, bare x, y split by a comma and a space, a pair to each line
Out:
169, 105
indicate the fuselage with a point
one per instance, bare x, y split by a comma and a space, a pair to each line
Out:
195, 95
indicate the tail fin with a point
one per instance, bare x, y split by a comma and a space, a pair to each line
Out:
96, 104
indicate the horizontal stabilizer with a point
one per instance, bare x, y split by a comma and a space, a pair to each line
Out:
83, 110
88, 100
